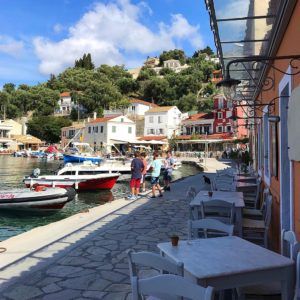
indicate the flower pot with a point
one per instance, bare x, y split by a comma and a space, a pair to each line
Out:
210, 194
174, 240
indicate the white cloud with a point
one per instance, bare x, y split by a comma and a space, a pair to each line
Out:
110, 32
57, 28
11, 46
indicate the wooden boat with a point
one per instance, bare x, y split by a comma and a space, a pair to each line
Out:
35, 199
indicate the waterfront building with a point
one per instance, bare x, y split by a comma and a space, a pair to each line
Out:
163, 121
104, 132
273, 104
5, 134
72, 133
200, 123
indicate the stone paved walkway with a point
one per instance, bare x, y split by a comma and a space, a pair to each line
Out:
97, 268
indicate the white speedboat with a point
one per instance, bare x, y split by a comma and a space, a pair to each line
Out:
35, 199
80, 177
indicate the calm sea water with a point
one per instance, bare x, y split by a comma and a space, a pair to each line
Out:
12, 171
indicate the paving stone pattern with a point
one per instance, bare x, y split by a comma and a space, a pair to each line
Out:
98, 268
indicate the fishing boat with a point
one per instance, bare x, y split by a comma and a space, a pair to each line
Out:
81, 152
35, 199
80, 177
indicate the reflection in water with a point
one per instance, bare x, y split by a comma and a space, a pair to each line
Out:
12, 171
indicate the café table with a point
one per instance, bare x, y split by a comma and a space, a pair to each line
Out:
231, 262
231, 197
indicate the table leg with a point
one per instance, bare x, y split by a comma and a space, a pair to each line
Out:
287, 285
239, 221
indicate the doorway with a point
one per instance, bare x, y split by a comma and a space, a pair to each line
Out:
286, 198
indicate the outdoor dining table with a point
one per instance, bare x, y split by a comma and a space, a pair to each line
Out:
231, 262
231, 197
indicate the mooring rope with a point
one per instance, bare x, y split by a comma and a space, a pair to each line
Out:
2, 249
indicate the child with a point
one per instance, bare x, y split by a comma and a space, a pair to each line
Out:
155, 168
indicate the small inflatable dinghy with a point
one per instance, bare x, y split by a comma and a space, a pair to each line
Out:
38, 198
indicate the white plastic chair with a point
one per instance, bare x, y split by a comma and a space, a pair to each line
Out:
288, 241
258, 229
169, 287
153, 261
254, 213
218, 209
208, 227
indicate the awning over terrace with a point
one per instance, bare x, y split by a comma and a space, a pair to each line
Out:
244, 28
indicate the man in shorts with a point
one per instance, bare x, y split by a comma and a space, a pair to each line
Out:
155, 168
169, 166
137, 167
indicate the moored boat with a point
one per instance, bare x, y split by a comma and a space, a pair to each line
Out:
81, 152
74, 176
35, 199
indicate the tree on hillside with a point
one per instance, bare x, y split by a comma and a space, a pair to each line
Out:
156, 89
207, 50
4, 102
172, 54
9, 87
47, 128
187, 102
146, 74
85, 62
127, 85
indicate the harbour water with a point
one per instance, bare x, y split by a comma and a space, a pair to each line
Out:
12, 171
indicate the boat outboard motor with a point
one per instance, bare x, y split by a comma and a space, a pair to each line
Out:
36, 173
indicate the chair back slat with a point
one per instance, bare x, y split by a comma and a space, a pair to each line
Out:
171, 287
224, 210
152, 260
208, 226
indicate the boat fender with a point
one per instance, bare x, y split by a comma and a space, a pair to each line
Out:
71, 193
39, 188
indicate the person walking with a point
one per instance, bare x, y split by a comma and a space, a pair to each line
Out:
143, 179
169, 167
155, 168
137, 168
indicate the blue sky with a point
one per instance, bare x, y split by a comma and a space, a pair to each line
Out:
42, 37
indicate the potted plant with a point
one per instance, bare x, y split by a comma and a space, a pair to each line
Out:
174, 239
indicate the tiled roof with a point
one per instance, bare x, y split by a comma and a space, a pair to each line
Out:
102, 120
74, 126
143, 102
65, 94
152, 138
199, 116
159, 109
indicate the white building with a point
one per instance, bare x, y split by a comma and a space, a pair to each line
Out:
200, 123
172, 64
136, 108
73, 132
65, 104
163, 120
103, 132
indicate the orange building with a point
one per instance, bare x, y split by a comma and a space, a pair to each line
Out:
259, 45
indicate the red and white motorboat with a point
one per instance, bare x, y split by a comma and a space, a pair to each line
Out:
80, 177
36, 199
